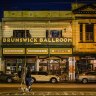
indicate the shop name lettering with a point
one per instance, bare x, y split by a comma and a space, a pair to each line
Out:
34, 40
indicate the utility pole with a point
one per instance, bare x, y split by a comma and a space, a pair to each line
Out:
23, 77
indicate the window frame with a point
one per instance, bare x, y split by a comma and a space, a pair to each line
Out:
21, 34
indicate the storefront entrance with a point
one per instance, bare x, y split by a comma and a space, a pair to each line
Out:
54, 65
86, 63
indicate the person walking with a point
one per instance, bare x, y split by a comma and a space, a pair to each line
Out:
28, 81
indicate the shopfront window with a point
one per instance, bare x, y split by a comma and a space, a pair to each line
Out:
15, 65
43, 65
64, 66
54, 66
30, 63
11, 66
84, 65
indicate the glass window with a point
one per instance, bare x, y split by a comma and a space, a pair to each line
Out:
34, 73
91, 73
54, 33
89, 30
81, 32
21, 34
42, 73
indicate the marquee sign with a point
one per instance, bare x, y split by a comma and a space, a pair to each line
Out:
60, 50
13, 51
37, 51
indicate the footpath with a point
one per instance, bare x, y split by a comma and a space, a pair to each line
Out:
47, 89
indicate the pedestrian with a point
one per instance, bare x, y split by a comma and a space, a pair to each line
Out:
28, 81
19, 74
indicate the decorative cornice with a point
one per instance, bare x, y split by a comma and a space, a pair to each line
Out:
86, 9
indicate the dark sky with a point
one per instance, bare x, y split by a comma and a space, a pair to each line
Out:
38, 4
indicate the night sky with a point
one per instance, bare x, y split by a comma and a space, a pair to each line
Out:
38, 4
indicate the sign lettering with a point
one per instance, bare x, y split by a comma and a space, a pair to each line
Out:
37, 40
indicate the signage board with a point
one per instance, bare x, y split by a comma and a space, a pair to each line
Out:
60, 50
13, 51
37, 51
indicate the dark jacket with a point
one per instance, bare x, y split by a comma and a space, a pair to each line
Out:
28, 74
28, 78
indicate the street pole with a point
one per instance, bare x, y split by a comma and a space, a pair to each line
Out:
24, 66
49, 48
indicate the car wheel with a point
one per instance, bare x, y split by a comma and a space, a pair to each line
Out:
84, 81
53, 80
9, 80
33, 80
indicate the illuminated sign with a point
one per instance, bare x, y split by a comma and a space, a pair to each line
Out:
13, 51
60, 50
36, 40
37, 51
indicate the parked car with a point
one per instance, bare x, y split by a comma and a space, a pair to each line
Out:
44, 77
7, 77
87, 77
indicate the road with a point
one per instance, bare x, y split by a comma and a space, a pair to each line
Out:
48, 89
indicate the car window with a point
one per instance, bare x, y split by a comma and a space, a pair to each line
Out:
42, 73
94, 73
91, 73
34, 73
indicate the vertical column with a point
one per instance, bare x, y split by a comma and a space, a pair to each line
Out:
72, 68
0, 64
0, 46
37, 64
84, 33
94, 32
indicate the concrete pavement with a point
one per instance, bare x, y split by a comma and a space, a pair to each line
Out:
48, 89
49, 85
42, 93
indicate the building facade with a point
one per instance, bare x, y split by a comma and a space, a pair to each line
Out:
84, 39
54, 41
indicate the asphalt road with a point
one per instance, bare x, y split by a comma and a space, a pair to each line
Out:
48, 89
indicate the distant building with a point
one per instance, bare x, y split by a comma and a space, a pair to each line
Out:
53, 41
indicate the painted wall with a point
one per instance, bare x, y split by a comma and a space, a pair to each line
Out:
84, 47
37, 29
